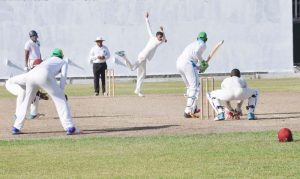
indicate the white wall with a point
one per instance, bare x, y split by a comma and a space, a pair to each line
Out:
257, 33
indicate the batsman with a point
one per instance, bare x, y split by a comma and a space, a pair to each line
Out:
189, 64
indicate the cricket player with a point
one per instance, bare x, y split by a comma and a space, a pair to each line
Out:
17, 85
32, 50
32, 54
189, 64
146, 54
43, 76
233, 88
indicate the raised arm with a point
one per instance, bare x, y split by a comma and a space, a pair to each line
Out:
148, 25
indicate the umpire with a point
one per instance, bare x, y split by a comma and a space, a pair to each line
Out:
98, 56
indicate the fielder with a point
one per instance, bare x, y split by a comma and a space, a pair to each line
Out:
32, 54
189, 64
233, 88
17, 85
43, 76
146, 54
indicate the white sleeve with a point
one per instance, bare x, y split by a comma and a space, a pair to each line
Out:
197, 52
92, 56
107, 53
223, 84
63, 76
244, 83
27, 46
148, 27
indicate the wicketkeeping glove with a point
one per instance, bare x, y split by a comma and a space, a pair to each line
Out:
203, 66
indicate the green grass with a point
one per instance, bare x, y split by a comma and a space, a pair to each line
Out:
231, 155
264, 85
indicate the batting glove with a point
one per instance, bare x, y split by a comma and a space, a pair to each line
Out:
203, 66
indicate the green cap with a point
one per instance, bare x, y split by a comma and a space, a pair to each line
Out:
202, 36
57, 53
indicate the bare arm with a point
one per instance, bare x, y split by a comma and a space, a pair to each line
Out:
26, 57
148, 25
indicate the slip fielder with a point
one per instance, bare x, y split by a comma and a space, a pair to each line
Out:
233, 88
43, 76
146, 54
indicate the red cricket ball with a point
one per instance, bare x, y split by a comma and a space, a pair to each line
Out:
285, 135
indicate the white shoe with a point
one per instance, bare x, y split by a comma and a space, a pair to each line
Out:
139, 94
120, 53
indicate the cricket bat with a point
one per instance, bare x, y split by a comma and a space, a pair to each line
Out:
214, 50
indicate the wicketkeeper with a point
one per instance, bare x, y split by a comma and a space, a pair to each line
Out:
233, 88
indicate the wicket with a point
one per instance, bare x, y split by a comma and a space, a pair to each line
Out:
110, 82
207, 85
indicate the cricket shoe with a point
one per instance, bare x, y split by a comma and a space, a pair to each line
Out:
72, 131
120, 53
190, 115
139, 93
32, 116
15, 131
220, 117
251, 116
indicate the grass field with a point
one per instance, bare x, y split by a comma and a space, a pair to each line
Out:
230, 155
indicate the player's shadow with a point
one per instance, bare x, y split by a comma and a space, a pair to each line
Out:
94, 116
278, 115
140, 128
101, 131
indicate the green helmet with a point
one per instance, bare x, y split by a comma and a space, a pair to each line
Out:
57, 53
202, 36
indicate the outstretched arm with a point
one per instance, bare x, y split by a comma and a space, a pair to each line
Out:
148, 25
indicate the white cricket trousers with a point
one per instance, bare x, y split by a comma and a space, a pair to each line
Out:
141, 74
216, 96
40, 79
190, 76
140, 66
14, 87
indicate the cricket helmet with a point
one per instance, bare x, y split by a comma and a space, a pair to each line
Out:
202, 36
57, 53
235, 72
33, 33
